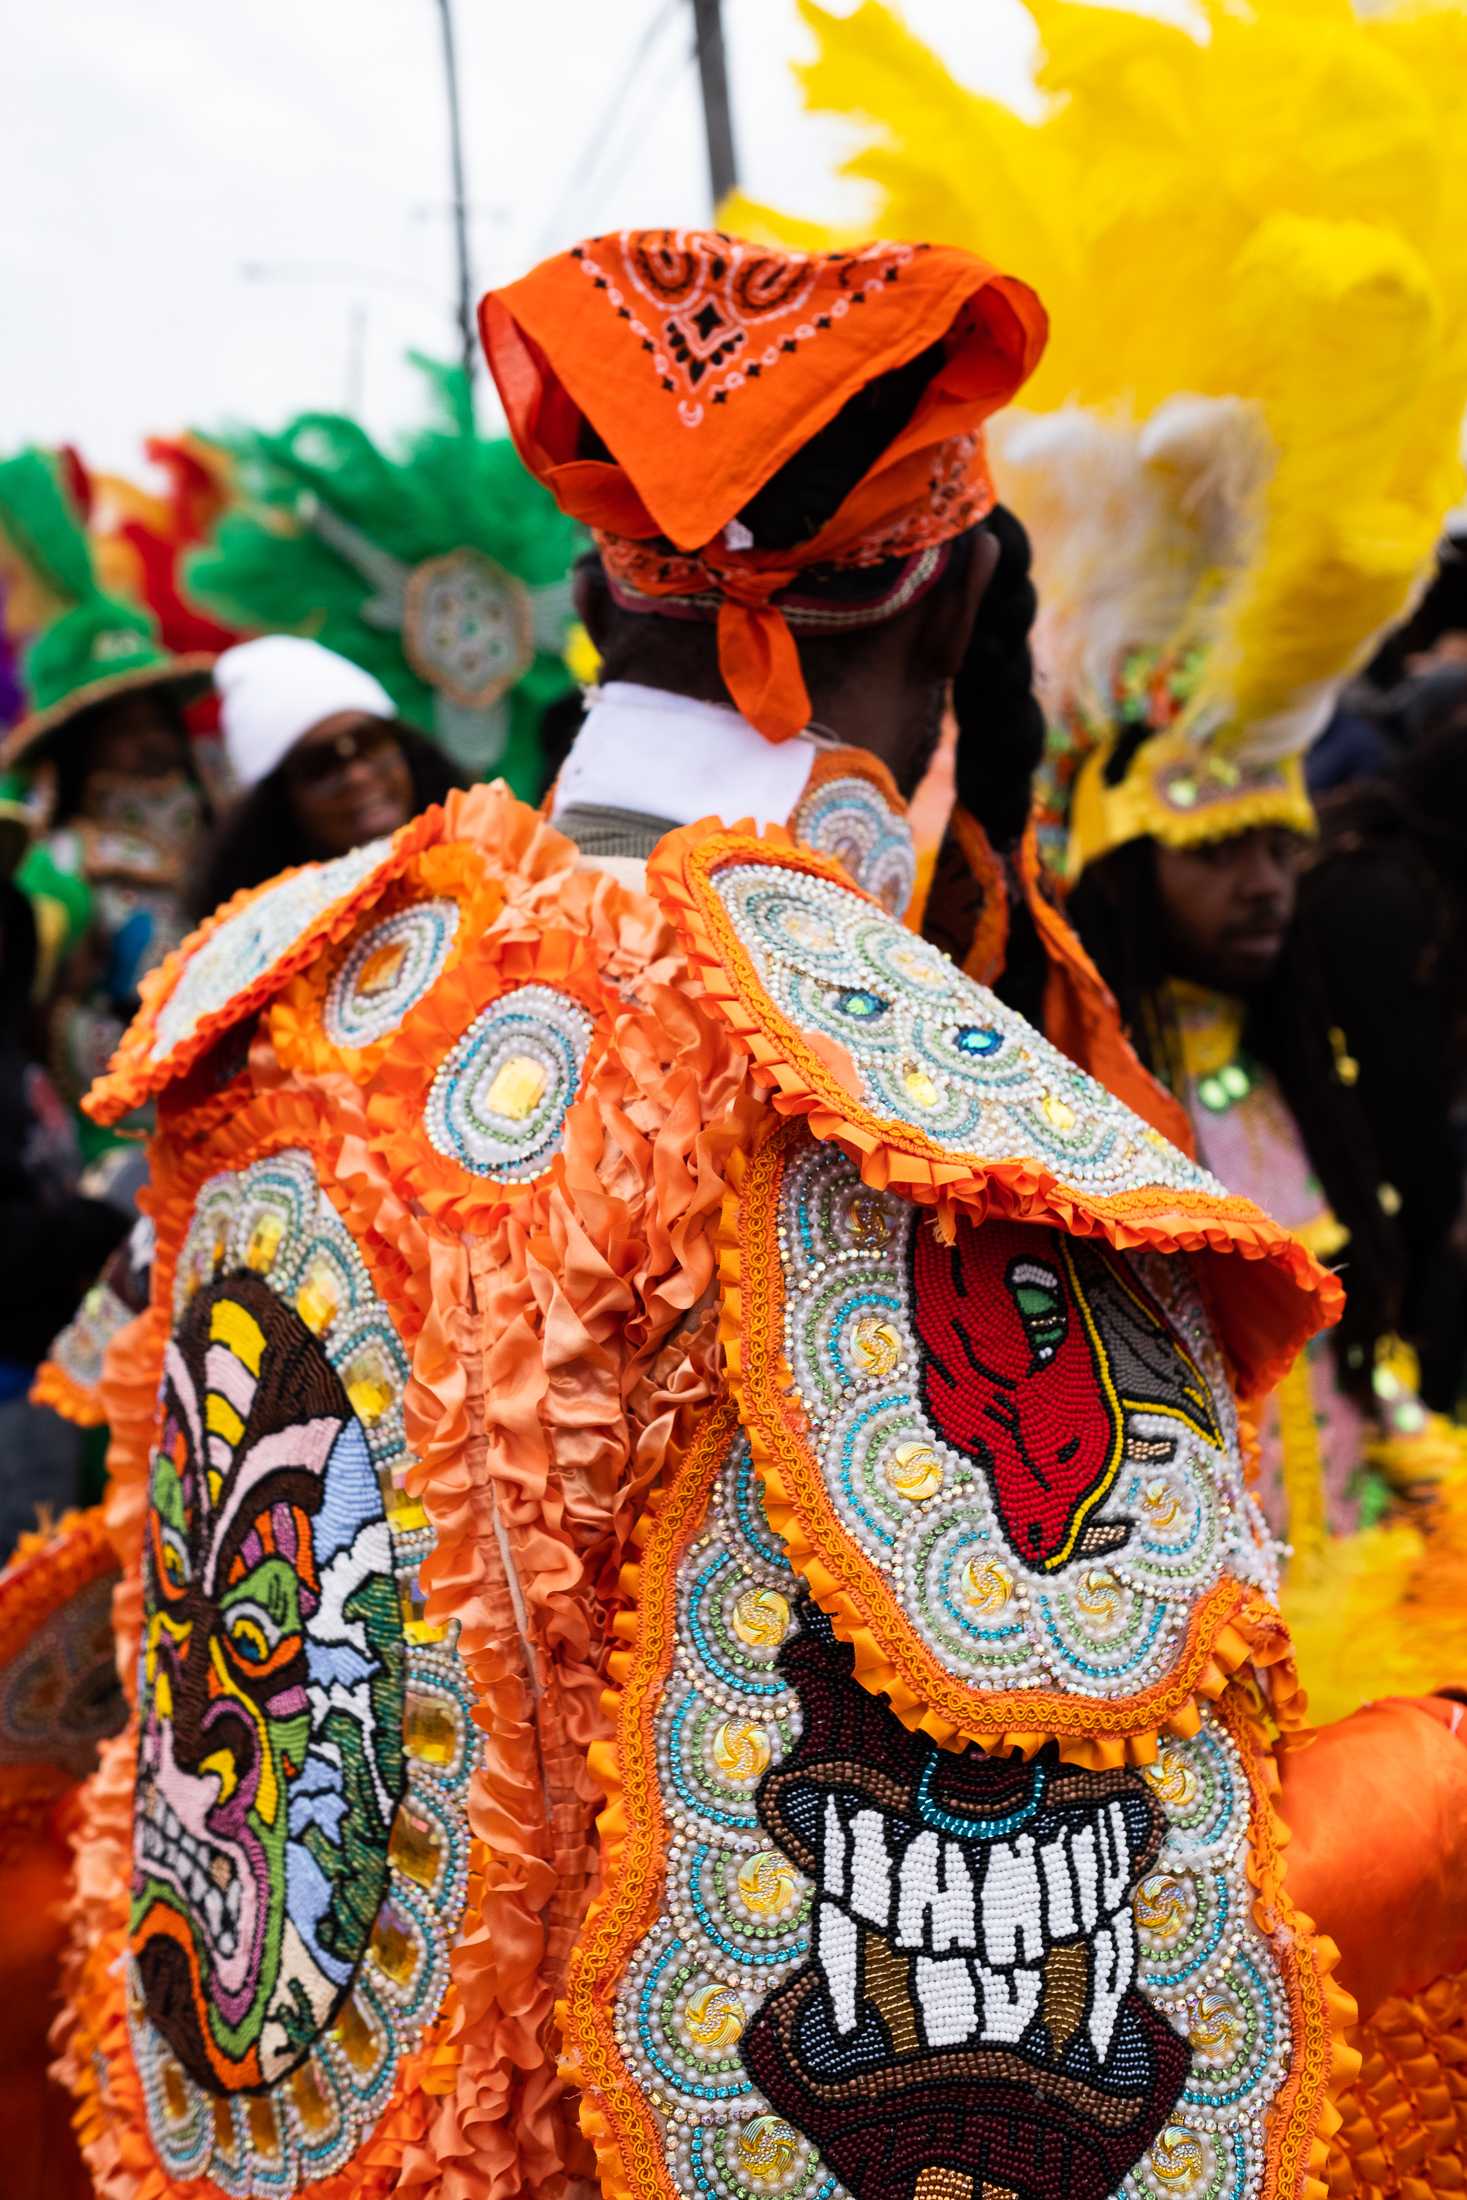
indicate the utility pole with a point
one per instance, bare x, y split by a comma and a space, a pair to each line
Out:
467, 339
717, 117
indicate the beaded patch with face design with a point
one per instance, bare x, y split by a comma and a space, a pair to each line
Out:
1015, 1454
833, 1958
304, 1746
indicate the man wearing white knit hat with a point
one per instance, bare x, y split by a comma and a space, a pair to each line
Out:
321, 761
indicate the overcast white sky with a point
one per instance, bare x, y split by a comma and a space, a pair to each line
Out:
151, 151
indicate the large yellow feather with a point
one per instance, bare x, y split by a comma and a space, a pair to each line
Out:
1269, 213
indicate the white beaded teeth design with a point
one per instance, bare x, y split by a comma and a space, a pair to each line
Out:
932, 1049
847, 819
498, 1102
274, 1220
923, 1512
248, 943
737, 1918
387, 971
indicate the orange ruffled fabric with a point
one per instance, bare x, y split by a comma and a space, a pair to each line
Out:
37, 1804
1403, 2131
1398, 1900
563, 1338
1269, 1294
54, 1387
134, 1076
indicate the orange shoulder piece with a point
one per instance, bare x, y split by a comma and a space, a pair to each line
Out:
239, 957
939, 1092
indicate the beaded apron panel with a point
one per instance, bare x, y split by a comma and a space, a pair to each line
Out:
831, 1957
1013, 1458
300, 1849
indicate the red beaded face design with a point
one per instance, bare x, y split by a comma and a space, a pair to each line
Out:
1033, 1346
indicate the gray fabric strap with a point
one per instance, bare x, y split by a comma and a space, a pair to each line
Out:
602, 832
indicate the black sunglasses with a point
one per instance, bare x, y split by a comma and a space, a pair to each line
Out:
323, 761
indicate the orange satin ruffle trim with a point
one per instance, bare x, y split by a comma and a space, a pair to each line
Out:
136, 1074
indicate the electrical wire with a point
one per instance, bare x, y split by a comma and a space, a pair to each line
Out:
554, 229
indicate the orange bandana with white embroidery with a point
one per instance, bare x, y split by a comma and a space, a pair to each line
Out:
701, 365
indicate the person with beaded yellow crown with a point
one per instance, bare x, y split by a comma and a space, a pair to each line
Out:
1223, 520
634, 1329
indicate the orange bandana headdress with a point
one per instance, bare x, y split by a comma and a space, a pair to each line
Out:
701, 365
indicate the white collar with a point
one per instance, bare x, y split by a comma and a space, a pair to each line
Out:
664, 755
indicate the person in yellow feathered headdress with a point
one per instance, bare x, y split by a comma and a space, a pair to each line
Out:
1233, 464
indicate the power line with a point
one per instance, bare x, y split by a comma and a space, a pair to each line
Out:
555, 226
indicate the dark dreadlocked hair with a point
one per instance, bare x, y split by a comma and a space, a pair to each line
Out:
1000, 744
1115, 906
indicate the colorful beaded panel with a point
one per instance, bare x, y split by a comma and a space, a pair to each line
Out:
929, 1048
1017, 1453
232, 960
498, 1101
387, 971
300, 1848
847, 818
865, 1965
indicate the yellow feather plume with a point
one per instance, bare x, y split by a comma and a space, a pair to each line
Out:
1269, 214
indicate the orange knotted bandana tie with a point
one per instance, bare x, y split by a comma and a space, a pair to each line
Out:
701, 365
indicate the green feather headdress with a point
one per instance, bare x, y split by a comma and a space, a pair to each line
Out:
445, 571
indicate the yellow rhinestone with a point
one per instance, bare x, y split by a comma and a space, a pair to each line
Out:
430, 1730
416, 1625
1179, 2159
393, 1947
369, 1387
264, 2131
1099, 1593
1173, 1779
877, 1344
405, 1516
715, 2017
1057, 1113
761, 1618
264, 1242
767, 1884
312, 2106
357, 2037
318, 1301
987, 1586
413, 1846
1161, 1907
1161, 1501
740, 1751
379, 973
920, 1087
1216, 2023
867, 1220
914, 1472
766, 2148
175, 2092
518, 1087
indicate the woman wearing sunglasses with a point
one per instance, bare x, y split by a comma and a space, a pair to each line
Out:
320, 760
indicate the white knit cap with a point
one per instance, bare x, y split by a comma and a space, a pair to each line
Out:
274, 690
